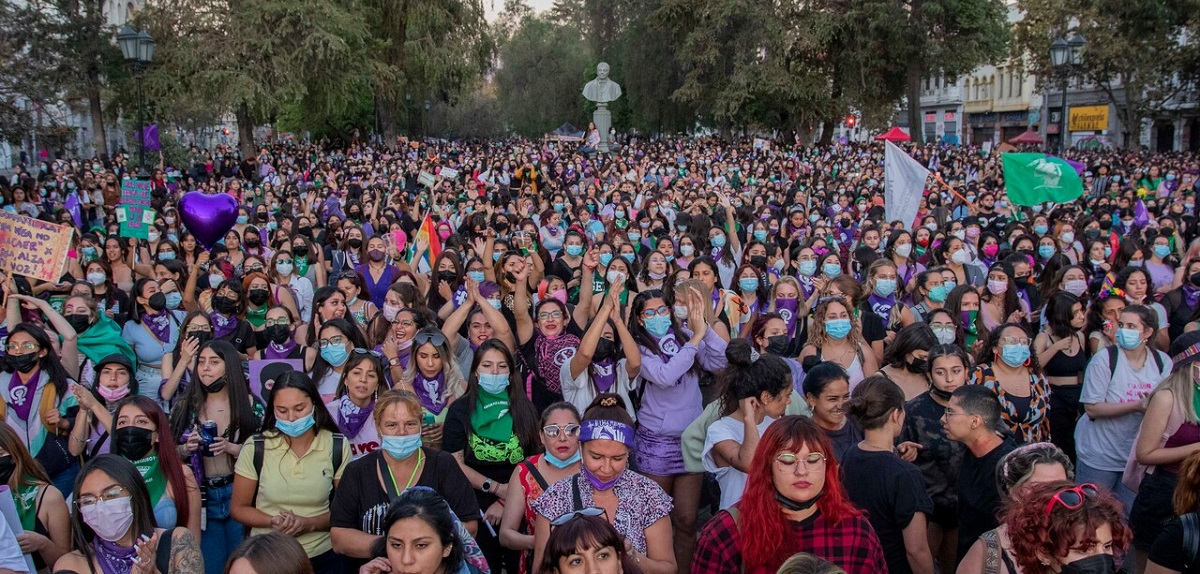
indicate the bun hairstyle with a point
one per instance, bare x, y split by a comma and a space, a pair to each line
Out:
873, 400
749, 375
608, 407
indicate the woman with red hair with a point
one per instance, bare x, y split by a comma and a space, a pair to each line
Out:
1057, 527
793, 502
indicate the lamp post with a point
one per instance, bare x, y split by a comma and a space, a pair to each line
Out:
138, 49
1066, 54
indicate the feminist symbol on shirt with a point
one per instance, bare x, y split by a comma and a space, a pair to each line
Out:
18, 396
669, 345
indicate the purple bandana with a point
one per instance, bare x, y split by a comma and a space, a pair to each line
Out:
20, 395
1191, 296
882, 306
787, 310
114, 559
668, 345
604, 374
430, 391
351, 417
159, 324
283, 351
551, 354
222, 325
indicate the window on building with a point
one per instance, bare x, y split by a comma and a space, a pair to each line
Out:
1000, 92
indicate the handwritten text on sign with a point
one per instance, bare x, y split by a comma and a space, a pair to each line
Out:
33, 248
135, 197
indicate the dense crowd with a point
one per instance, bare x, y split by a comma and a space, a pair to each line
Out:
688, 355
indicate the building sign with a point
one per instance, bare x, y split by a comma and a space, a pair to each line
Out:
1088, 119
950, 116
930, 118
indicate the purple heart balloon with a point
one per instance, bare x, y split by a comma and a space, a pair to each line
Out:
208, 216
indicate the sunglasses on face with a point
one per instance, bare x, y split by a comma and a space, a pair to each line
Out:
552, 431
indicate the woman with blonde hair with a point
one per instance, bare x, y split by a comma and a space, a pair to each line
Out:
433, 375
883, 287
836, 335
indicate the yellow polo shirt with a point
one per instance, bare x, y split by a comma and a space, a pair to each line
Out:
299, 484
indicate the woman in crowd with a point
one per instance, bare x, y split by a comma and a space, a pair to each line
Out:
1116, 386
421, 536
608, 359
435, 379
354, 401
1057, 527
113, 526
929, 293
793, 502
836, 336
373, 482
281, 488
1138, 288
1007, 367
906, 360
337, 340
41, 508
152, 333
195, 331
672, 399
584, 543
1102, 317
279, 332
219, 393
636, 505
891, 490
560, 437
490, 430
270, 553
282, 272
228, 322
142, 434
1060, 349
827, 390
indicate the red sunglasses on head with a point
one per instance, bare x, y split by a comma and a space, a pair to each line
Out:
1072, 498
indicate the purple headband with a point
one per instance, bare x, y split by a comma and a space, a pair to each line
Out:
606, 430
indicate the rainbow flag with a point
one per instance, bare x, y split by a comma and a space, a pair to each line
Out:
427, 233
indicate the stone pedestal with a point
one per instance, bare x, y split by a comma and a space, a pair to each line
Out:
603, 120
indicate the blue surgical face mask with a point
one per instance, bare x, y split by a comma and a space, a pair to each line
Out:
476, 276
494, 383
808, 268
335, 355
634, 237
658, 326
1045, 251
166, 255
400, 447
297, 427
718, 241
574, 250
760, 235
243, 219
628, 257
496, 256
561, 464
1162, 251
174, 299
885, 287
1040, 229
831, 269
605, 259
748, 283
950, 285
1129, 339
1014, 355
838, 328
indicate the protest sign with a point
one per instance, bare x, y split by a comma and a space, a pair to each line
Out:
32, 247
135, 198
426, 179
263, 373
449, 173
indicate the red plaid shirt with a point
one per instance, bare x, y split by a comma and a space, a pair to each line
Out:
850, 544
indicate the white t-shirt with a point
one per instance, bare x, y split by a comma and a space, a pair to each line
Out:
580, 391
1105, 444
732, 480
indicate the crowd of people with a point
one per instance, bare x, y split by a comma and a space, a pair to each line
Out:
689, 355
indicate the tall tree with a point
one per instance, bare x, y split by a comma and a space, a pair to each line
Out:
542, 71
1141, 53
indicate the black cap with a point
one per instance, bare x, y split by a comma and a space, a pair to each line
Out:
115, 358
1185, 350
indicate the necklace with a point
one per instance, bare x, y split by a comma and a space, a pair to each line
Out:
412, 477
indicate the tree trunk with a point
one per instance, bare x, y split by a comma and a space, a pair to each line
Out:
386, 108
913, 76
245, 126
93, 10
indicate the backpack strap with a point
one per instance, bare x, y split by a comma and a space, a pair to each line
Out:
536, 474
162, 554
260, 444
339, 441
1113, 354
576, 495
1191, 537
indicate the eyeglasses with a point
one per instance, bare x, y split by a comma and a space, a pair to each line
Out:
550, 315
812, 461
1071, 498
28, 347
552, 431
338, 340
106, 496
255, 269
1023, 341
372, 352
274, 322
590, 512
662, 311
430, 336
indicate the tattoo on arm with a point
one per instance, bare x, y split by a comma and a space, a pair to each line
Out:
185, 554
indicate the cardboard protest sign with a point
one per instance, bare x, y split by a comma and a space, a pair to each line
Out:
32, 247
426, 179
135, 199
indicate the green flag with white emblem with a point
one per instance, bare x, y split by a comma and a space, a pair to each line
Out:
1033, 178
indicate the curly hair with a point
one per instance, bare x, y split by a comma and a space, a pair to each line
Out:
1037, 533
816, 332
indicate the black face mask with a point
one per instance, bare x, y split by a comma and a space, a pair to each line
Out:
278, 334
7, 467
1091, 233
1105, 224
201, 336
80, 322
300, 250
262, 216
447, 276
216, 386
917, 366
157, 302
23, 363
258, 296
604, 350
944, 395
759, 261
355, 243
133, 443
1098, 564
1194, 279
224, 305
795, 505
305, 231
777, 345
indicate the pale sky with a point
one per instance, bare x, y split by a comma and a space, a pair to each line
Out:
492, 8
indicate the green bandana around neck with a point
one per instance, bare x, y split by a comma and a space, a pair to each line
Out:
492, 418
156, 481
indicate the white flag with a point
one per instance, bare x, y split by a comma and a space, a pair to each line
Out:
903, 185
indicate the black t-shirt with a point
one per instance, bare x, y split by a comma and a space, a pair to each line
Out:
892, 492
843, 440
455, 439
242, 337
1168, 551
361, 502
978, 500
940, 458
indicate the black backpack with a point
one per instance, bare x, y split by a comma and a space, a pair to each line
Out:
1191, 537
